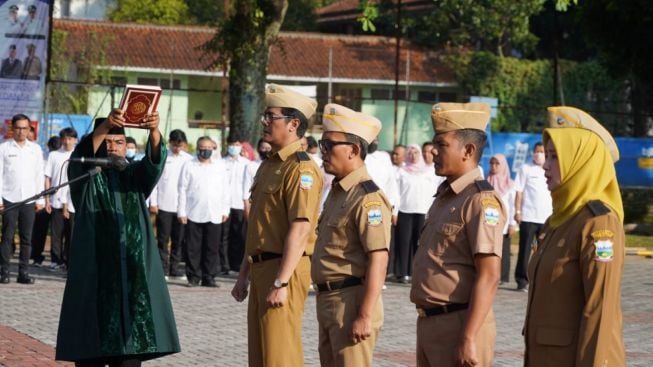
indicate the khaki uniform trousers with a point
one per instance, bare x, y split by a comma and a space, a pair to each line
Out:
275, 334
336, 312
438, 338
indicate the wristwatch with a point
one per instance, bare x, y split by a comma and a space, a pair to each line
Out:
278, 284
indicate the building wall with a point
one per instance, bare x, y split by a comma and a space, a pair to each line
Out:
175, 107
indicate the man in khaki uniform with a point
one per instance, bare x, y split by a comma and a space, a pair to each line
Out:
351, 253
458, 262
285, 196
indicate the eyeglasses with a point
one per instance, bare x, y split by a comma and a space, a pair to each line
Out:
268, 117
327, 145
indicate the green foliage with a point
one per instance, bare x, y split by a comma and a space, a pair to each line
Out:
370, 13
525, 88
164, 12
205, 12
301, 16
83, 67
490, 25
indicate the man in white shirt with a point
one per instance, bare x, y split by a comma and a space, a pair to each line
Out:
380, 168
21, 176
204, 201
236, 228
532, 208
55, 174
263, 149
164, 201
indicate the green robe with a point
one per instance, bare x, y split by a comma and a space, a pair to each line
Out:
116, 301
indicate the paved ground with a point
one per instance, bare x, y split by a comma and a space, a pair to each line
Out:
212, 326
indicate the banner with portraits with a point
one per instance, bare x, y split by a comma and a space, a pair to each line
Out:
24, 36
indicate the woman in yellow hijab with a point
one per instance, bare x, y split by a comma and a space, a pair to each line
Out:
574, 303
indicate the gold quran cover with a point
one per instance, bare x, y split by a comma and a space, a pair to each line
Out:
138, 101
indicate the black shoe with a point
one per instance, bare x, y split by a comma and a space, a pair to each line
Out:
4, 279
25, 279
193, 283
210, 283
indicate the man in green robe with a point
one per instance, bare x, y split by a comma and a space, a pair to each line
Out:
116, 308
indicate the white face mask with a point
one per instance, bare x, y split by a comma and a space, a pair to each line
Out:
538, 158
131, 153
234, 150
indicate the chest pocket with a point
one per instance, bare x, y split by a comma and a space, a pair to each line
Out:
445, 235
336, 224
272, 185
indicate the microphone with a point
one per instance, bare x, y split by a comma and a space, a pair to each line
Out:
112, 161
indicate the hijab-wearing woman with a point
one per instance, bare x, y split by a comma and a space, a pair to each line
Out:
574, 305
500, 179
417, 185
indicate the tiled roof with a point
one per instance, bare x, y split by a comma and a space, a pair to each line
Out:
298, 56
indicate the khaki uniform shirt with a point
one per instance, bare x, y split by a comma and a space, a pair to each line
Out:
466, 218
356, 220
286, 187
574, 301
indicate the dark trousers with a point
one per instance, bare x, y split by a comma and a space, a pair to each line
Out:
391, 259
236, 238
505, 259
223, 247
408, 228
528, 232
202, 257
39, 234
168, 228
24, 216
60, 240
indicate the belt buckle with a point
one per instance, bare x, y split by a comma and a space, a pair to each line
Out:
421, 312
328, 286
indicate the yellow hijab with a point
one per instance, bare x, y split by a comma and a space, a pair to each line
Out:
586, 173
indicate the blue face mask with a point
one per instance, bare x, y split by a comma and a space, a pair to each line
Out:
234, 150
204, 153
131, 153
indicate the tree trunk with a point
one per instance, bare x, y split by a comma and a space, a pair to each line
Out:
248, 65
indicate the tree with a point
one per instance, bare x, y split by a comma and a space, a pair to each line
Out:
205, 12
622, 30
164, 12
242, 42
498, 26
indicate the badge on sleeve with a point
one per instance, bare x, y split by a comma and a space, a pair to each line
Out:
305, 181
603, 245
374, 217
491, 211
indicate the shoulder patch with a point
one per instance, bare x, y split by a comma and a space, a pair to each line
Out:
369, 186
483, 185
598, 208
302, 156
305, 181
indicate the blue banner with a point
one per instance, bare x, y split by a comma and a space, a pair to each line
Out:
634, 168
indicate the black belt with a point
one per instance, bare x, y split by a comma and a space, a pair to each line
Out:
439, 310
339, 284
265, 256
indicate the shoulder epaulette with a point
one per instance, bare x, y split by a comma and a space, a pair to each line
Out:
302, 156
598, 208
483, 185
369, 186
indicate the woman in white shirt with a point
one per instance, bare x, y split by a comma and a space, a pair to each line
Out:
417, 185
500, 178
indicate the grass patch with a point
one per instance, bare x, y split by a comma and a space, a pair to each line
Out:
632, 240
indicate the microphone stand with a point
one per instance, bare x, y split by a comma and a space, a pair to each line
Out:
52, 190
